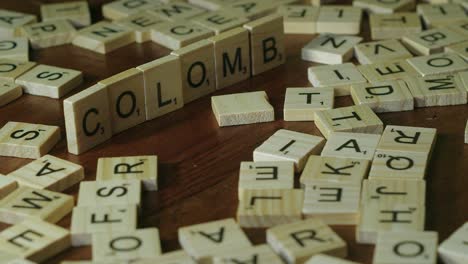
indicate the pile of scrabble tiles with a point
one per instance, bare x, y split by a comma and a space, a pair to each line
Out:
359, 173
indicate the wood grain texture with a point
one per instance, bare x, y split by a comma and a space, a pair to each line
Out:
199, 162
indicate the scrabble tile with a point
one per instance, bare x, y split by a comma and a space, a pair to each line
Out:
260, 254
252, 9
441, 14
461, 49
242, 108
453, 249
381, 97
408, 139
297, 242
437, 90
11, 22
35, 240
438, 64
29, 203
176, 11
357, 119
50, 81
12, 69
431, 41
330, 49
338, 19
87, 221
87, 119
178, 256
142, 24
198, 70
320, 2
24, 140
176, 35
387, 71
212, 5
123, 8
103, 37
406, 247
381, 51
266, 208
299, 19
9, 92
108, 193
130, 245
265, 175
384, 7
300, 104
49, 34
232, 57
220, 21
204, 241
460, 28
162, 95
398, 164
77, 12
9, 258
144, 168
351, 145
287, 145
340, 77
14, 49
391, 26
463, 3
466, 133
126, 98
266, 43
50, 173
347, 171
325, 259
7, 185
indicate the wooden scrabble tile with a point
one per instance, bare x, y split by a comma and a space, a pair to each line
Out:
144, 168
50, 173
299, 19
266, 43
204, 241
398, 164
408, 139
381, 97
77, 12
340, 77
212, 5
453, 249
325, 259
131, 245
406, 247
461, 49
287, 145
178, 256
108, 193
220, 21
437, 64
123, 8
460, 28
437, 90
12, 69
441, 14
29, 203
330, 49
381, 51
252, 9
392, 26
49, 34
9, 92
297, 242
35, 240
176, 11
87, 221
142, 24
232, 57
7, 185
24, 140
242, 108
103, 37
431, 41
198, 69
87, 119
385, 7
9, 258
50, 81
11, 22
334, 203
162, 95
357, 119
300, 104
338, 19
266, 208
14, 49
261, 254
126, 92
351, 145
387, 71
262, 175
176, 35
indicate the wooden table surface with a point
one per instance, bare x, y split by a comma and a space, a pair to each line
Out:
199, 162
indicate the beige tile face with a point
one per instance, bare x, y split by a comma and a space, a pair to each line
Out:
460, 49
397, 164
460, 27
437, 64
11, 22
387, 71
178, 256
262, 254
391, 26
431, 41
454, 247
220, 21
9, 92
14, 49
176, 11
142, 23
339, 20
408, 139
299, 19
351, 145
176, 35
252, 9
212, 5
300, 104
381, 51
330, 49
49, 34
12, 69
76, 12
124, 8
325, 259
384, 7
111, 192
341, 77
441, 14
